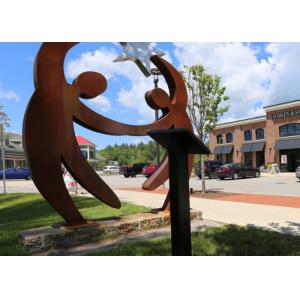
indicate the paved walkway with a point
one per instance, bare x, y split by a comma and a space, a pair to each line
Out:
243, 212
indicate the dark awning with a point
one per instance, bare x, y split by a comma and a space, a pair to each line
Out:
287, 144
223, 149
218, 150
227, 149
258, 146
246, 147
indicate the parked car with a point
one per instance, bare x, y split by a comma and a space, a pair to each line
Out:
209, 168
111, 169
298, 172
122, 169
236, 170
16, 173
149, 170
135, 169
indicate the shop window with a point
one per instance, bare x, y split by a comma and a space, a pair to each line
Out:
248, 135
248, 159
229, 158
289, 130
219, 156
219, 139
260, 159
229, 137
260, 134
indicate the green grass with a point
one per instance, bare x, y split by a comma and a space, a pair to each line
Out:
225, 240
25, 211
19, 212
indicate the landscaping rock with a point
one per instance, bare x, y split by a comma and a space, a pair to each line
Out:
48, 238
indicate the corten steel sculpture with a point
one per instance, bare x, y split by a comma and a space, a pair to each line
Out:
49, 136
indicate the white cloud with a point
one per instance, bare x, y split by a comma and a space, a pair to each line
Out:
138, 141
132, 97
285, 60
251, 83
7, 94
243, 75
101, 103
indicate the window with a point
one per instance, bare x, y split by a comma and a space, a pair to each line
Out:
229, 158
219, 156
84, 153
229, 137
219, 139
260, 134
248, 159
92, 154
289, 129
248, 135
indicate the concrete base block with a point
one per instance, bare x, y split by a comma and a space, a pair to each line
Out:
48, 238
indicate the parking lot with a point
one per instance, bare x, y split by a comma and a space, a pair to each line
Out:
283, 184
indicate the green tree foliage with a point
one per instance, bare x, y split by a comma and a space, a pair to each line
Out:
128, 154
205, 103
206, 96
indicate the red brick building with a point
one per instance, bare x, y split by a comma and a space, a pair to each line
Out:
259, 141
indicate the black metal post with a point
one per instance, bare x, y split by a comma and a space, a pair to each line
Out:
179, 142
179, 199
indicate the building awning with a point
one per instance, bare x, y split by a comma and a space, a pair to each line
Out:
252, 147
227, 149
246, 147
223, 149
258, 146
218, 150
287, 144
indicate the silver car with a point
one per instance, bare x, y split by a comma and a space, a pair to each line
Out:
111, 169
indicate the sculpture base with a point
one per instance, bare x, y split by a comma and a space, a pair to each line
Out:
41, 240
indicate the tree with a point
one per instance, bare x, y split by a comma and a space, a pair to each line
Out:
4, 122
205, 99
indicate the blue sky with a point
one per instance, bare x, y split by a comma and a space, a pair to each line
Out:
255, 75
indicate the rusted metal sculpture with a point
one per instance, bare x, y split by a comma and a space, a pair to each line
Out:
49, 136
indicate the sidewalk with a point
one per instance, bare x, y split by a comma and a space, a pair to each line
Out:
279, 218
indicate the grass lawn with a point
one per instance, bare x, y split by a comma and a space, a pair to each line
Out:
26, 211
226, 240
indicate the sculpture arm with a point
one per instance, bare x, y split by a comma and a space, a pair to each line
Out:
86, 117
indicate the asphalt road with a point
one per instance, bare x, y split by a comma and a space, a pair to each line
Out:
268, 185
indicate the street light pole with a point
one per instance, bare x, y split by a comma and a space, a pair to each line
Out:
3, 157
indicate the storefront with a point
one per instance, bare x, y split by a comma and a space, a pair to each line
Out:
261, 141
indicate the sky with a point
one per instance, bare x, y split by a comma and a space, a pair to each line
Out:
254, 74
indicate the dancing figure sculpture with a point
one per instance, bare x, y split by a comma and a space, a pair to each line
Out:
49, 137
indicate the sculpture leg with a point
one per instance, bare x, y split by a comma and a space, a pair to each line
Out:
85, 175
50, 183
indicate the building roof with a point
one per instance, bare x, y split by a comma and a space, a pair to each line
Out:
240, 122
100, 157
83, 141
283, 103
14, 136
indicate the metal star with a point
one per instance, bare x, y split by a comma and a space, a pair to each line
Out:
140, 54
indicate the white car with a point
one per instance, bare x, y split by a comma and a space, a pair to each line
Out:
111, 169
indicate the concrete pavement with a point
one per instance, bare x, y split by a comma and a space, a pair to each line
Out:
278, 218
